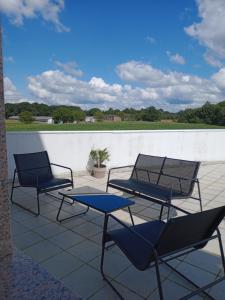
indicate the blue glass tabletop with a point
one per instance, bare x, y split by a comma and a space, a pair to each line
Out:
105, 203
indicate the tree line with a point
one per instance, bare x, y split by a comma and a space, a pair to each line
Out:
213, 114
209, 113
63, 113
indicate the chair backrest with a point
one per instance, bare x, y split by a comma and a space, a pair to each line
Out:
31, 165
145, 163
182, 169
187, 230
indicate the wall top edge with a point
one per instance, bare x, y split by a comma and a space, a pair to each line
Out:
115, 131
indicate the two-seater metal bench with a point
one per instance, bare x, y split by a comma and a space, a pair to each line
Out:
159, 179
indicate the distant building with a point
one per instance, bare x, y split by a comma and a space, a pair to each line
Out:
15, 118
40, 119
112, 118
44, 119
90, 119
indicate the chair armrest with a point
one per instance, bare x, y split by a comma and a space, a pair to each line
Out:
57, 165
64, 167
117, 168
129, 229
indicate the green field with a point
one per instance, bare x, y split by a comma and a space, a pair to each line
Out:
125, 125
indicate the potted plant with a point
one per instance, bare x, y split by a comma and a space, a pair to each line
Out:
99, 156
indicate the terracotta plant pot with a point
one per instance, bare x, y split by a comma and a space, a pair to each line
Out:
99, 172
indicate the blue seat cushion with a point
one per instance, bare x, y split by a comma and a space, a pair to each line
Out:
152, 190
137, 250
53, 184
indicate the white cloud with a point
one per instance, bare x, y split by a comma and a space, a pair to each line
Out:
151, 39
219, 78
9, 59
210, 31
172, 87
49, 10
176, 58
212, 60
9, 87
143, 86
69, 68
140, 72
144, 73
56, 87
11, 92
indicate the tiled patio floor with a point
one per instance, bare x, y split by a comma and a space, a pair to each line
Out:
71, 250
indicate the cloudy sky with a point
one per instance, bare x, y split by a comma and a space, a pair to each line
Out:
114, 53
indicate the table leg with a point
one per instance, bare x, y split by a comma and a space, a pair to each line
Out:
105, 227
131, 217
64, 219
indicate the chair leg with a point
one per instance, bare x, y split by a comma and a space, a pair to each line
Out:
38, 204
103, 243
14, 176
104, 276
168, 212
221, 251
200, 204
102, 260
20, 205
190, 281
11, 195
27, 209
72, 188
161, 212
158, 280
199, 195
60, 207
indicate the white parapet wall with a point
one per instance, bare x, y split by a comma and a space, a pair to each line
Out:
72, 148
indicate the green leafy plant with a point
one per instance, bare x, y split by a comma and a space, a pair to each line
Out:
99, 156
26, 117
99, 116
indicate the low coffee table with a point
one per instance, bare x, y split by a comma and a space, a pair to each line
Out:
101, 201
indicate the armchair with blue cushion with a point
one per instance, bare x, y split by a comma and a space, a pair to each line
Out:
35, 170
157, 242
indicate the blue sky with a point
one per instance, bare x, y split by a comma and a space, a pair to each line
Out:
114, 53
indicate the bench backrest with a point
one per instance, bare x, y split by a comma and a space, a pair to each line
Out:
147, 168
166, 172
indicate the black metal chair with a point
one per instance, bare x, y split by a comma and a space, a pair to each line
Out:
152, 243
34, 170
160, 180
